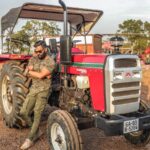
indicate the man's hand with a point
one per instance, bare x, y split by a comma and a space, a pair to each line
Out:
30, 68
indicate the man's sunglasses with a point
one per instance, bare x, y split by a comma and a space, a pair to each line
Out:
38, 52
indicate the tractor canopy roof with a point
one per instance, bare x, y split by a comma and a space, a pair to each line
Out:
79, 19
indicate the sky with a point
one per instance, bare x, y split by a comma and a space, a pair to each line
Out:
115, 11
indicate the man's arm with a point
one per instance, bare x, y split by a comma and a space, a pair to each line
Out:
40, 75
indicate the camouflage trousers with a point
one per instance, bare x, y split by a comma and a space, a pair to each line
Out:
35, 102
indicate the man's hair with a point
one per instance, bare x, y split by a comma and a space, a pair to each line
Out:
40, 43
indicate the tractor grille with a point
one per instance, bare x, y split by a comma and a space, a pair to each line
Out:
126, 85
122, 91
125, 63
124, 101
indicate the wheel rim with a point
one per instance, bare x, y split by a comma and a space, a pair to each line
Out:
58, 137
137, 134
7, 95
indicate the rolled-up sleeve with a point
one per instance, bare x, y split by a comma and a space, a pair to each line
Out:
49, 64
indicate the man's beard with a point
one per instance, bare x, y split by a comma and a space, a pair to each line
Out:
42, 55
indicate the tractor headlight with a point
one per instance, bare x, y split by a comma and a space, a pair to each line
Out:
136, 74
118, 75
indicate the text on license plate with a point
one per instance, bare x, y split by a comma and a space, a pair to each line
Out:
131, 126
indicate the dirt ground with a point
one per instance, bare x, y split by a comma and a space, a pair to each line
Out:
93, 139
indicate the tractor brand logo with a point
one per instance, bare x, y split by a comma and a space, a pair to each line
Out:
128, 75
83, 71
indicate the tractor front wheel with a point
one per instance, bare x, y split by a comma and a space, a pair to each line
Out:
62, 131
140, 138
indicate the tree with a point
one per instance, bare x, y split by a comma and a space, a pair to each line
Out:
147, 31
137, 33
37, 29
20, 41
31, 32
147, 27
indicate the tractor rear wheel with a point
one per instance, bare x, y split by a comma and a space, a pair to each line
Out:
140, 138
13, 90
62, 132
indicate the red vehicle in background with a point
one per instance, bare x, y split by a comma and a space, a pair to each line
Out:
89, 90
145, 56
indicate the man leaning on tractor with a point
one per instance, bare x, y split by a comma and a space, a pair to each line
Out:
40, 68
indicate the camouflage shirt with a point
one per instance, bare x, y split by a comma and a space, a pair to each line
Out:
39, 85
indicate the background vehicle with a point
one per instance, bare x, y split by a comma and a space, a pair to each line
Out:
97, 90
146, 56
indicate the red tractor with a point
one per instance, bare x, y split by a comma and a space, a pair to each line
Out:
97, 90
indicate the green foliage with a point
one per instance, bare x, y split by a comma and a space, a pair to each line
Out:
147, 27
31, 32
140, 45
137, 33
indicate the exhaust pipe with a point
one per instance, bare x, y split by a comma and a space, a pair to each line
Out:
65, 45
65, 40
65, 17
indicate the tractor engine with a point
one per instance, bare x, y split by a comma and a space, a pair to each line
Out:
76, 97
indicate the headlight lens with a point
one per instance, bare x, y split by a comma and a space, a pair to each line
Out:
118, 75
136, 74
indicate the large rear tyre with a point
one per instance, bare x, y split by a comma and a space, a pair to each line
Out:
13, 91
62, 132
140, 138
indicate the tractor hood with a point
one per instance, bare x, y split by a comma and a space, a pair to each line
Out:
81, 20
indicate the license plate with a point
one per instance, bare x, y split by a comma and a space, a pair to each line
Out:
131, 126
